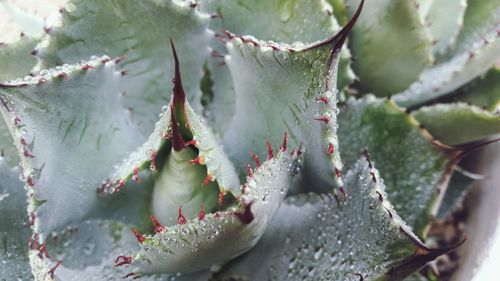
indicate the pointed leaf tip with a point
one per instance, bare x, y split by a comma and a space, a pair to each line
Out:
179, 95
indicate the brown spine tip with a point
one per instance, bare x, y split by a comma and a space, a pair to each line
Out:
158, 226
247, 216
177, 140
270, 154
181, 219
179, 95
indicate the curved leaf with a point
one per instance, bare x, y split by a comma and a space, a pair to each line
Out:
56, 118
14, 225
89, 251
216, 238
16, 60
483, 92
285, 22
193, 168
141, 40
445, 27
477, 51
412, 167
389, 34
458, 123
318, 238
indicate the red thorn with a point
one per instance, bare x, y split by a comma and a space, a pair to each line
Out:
122, 260
87, 67
247, 216
181, 219
283, 146
197, 161
299, 151
322, 99
105, 60
42, 81
201, 214
63, 75
471, 54
129, 275
324, 118
292, 153
337, 199
29, 181
139, 237
32, 218
53, 269
42, 251
331, 149
32, 244
207, 180
27, 153
119, 185
249, 170
221, 197
152, 157
338, 174
136, 177
177, 140
179, 95
158, 226
256, 159
191, 142
342, 190
270, 154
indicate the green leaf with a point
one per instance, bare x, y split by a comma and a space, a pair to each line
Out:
445, 27
14, 228
318, 238
458, 123
193, 168
31, 24
7, 149
279, 90
475, 53
282, 21
90, 251
124, 30
16, 60
460, 183
55, 119
412, 167
215, 238
483, 92
390, 34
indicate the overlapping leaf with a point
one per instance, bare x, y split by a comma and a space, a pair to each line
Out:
388, 41
476, 51
215, 238
56, 118
124, 30
412, 167
316, 238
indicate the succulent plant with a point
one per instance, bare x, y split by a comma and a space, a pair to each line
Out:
356, 135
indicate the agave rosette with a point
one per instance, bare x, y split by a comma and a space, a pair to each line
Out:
124, 180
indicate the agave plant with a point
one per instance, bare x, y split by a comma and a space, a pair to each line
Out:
357, 146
